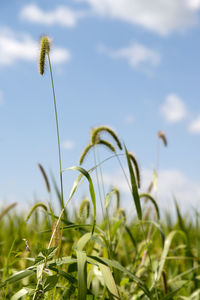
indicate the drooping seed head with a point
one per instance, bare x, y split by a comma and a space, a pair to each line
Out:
116, 191
121, 214
162, 136
106, 144
95, 133
39, 204
45, 177
84, 153
136, 166
45, 46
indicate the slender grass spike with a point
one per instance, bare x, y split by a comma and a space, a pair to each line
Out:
45, 177
44, 50
136, 166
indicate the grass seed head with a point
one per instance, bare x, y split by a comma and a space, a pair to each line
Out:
45, 46
136, 166
162, 136
45, 177
84, 153
84, 209
95, 133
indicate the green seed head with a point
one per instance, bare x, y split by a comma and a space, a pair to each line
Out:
44, 49
84, 209
95, 135
136, 166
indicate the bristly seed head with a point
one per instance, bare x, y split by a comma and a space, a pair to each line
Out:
95, 135
45, 46
162, 136
136, 166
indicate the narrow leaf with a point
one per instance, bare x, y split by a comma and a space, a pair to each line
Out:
82, 275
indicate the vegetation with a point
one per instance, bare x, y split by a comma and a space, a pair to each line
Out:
49, 256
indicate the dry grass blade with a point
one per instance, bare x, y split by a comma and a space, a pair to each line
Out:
56, 242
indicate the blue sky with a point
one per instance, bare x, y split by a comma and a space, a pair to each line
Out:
131, 64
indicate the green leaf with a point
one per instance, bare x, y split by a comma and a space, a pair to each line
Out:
65, 275
91, 189
109, 280
20, 294
48, 253
82, 274
18, 276
114, 228
174, 292
62, 261
118, 266
108, 197
167, 245
50, 282
86, 238
83, 241
40, 269
135, 194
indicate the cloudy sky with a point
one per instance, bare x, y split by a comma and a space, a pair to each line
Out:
131, 64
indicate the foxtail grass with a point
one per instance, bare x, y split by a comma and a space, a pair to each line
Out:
45, 177
39, 204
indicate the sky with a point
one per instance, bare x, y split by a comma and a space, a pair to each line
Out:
133, 65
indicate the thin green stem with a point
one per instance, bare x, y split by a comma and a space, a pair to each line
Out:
60, 166
57, 129
97, 177
104, 194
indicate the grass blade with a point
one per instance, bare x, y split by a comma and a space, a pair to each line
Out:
82, 274
91, 189
109, 280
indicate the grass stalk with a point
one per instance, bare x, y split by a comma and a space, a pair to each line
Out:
57, 130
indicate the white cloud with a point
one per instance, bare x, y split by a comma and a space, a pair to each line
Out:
137, 55
194, 126
194, 4
171, 182
160, 16
68, 145
15, 47
62, 15
129, 119
174, 109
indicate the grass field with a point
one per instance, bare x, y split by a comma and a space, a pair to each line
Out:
45, 255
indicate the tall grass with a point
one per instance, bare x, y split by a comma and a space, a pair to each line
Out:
49, 256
